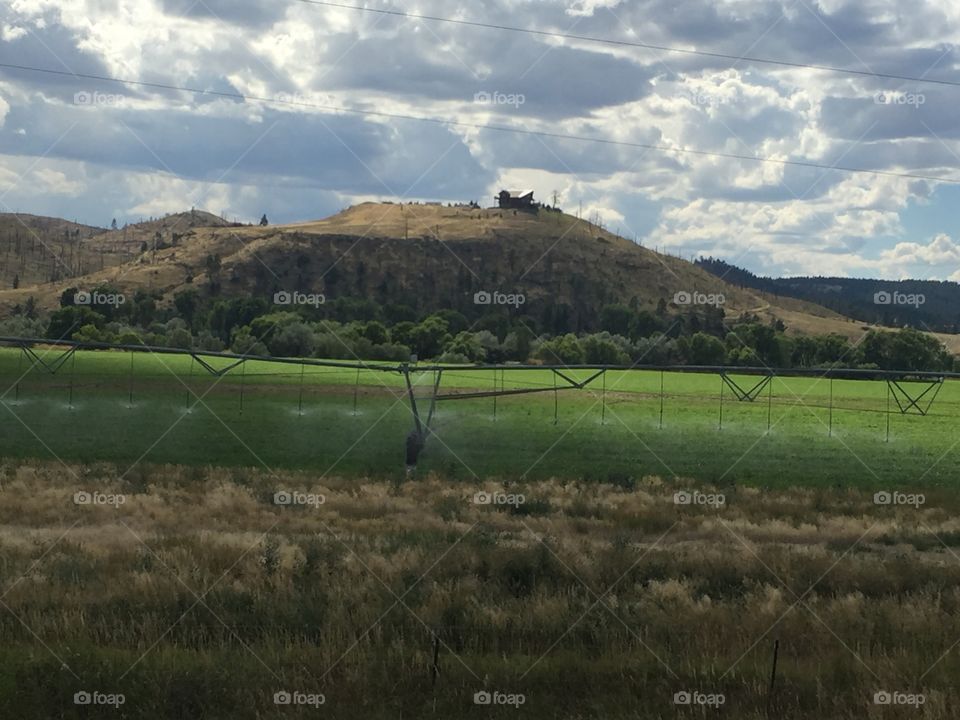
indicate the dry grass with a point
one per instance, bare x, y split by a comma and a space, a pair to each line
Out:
307, 598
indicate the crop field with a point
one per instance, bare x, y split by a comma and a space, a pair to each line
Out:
179, 544
135, 407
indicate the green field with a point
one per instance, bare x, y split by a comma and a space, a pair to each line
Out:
123, 408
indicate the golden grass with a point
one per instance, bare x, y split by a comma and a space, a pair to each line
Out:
311, 593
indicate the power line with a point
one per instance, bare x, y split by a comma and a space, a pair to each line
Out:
479, 126
629, 43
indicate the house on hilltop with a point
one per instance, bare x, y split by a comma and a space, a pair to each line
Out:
516, 200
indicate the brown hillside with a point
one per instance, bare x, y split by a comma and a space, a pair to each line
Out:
429, 256
35, 250
39, 250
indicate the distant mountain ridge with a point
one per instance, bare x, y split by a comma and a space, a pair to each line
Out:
36, 249
923, 304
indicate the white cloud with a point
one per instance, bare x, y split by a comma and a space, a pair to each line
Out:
9, 33
766, 215
56, 182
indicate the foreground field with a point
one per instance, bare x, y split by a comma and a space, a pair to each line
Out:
189, 592
106, 406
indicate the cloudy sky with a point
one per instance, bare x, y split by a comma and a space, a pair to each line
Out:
92, 150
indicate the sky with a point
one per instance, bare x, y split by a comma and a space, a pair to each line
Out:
92, 150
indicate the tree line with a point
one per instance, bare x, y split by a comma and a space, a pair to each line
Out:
353, 328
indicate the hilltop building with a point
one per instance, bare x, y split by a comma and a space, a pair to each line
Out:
516, 200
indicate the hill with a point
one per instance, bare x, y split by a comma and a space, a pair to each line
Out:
426, 257
39, 250
939, 308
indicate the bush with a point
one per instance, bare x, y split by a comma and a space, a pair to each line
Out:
293, 340
564, 350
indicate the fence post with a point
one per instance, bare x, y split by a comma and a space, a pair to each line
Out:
773, 674
435, 667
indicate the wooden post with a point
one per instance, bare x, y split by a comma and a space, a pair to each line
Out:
773, 673
435, 667
494, 395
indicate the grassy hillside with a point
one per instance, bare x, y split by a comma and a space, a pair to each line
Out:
50, 252
427, 257
855, 297
36, 250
